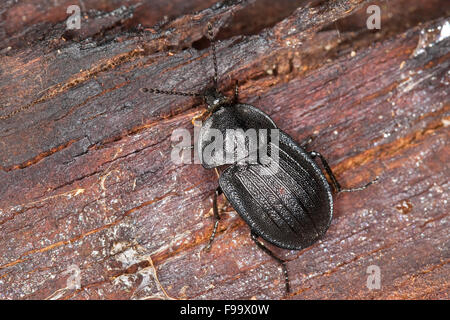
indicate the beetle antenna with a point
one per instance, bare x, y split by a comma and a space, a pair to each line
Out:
171, 92
213, 46
193, 94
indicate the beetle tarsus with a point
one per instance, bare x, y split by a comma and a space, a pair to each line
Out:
360, 188
282, 262
337, 187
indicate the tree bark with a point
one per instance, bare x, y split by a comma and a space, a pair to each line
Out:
87, 182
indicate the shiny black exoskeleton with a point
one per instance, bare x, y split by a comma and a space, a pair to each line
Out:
288, 202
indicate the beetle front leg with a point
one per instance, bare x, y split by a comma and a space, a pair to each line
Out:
282, 262
201, 116
217, 193
336, 185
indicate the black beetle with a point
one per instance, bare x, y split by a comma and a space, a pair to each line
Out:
291, 206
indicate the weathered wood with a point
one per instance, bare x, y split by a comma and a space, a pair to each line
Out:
85, 169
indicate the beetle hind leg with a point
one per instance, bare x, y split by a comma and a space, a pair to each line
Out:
217, 193
282, 262
337, 187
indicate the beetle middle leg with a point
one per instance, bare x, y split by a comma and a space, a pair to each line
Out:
217, 193
307, 142
334, 181
282, 262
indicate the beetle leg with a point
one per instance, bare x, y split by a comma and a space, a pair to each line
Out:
182, 148
336, 185
282, 262
236, 92
217, 193
200, 116
334, 181
362, 187
306, 143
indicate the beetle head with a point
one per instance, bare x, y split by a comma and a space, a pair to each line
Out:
215, 99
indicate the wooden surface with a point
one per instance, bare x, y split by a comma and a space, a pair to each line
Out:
85, 170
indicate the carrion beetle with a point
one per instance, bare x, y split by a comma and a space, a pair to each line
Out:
287, 202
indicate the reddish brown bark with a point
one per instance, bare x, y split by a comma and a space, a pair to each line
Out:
85, 169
